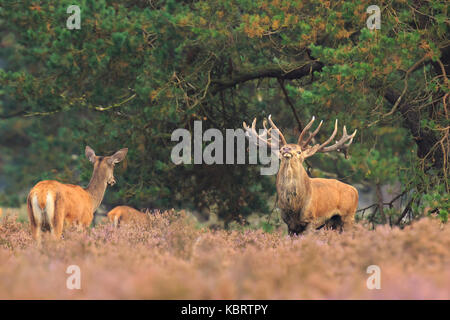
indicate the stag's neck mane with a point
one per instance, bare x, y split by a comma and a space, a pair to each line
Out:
97, 187
293, 185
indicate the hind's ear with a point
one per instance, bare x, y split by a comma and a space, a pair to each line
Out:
118, 156
90, 154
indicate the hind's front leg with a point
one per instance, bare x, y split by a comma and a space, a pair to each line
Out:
59, 220
58, 228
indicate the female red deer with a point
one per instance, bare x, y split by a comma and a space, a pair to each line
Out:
51, 203
125, 214
308, 203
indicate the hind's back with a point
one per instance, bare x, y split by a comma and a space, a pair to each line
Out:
124, 214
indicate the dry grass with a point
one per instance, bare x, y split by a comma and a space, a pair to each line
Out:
171, 258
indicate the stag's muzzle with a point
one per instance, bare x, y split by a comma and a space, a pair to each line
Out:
286, 152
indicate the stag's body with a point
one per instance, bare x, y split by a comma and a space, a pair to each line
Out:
52, 204
125, 214
308, 203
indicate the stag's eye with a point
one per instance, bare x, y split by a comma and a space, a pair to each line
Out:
299, 152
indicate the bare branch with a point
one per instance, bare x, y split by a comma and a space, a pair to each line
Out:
270, 71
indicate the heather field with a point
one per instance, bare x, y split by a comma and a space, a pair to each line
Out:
173, 257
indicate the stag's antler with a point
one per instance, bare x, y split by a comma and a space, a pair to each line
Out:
311, 135
340, 145
274, 141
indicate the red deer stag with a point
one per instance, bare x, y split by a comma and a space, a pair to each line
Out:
125, 214
308, 203
51, 203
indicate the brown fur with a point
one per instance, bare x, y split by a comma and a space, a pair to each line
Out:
52, 204
125, 214
308, 203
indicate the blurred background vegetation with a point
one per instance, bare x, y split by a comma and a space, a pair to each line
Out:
137, 70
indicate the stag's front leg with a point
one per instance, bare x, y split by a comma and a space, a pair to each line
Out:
286, 216
334, 223
348, 222
310, 227
295, 229
79, 226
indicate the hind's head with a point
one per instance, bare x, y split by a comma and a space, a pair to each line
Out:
104, 165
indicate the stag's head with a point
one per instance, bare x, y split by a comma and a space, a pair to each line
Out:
104, 166
298, 152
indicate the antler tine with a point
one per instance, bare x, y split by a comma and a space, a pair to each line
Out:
351, 139
341, 145
305, 129
267, 132
251, 131
322, 146
254, 125
257, 136
283, 140
253, 135
312, 135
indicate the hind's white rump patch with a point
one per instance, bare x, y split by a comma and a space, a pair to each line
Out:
43, 216
50, 208
37, 211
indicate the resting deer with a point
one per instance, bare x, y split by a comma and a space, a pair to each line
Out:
308, 203
125, 214
51, 203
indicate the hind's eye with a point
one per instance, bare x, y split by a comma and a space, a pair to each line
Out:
299, 152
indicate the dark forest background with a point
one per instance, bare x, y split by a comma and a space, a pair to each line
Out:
137, 70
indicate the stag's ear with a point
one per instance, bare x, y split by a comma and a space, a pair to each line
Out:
90, 154
118, 156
